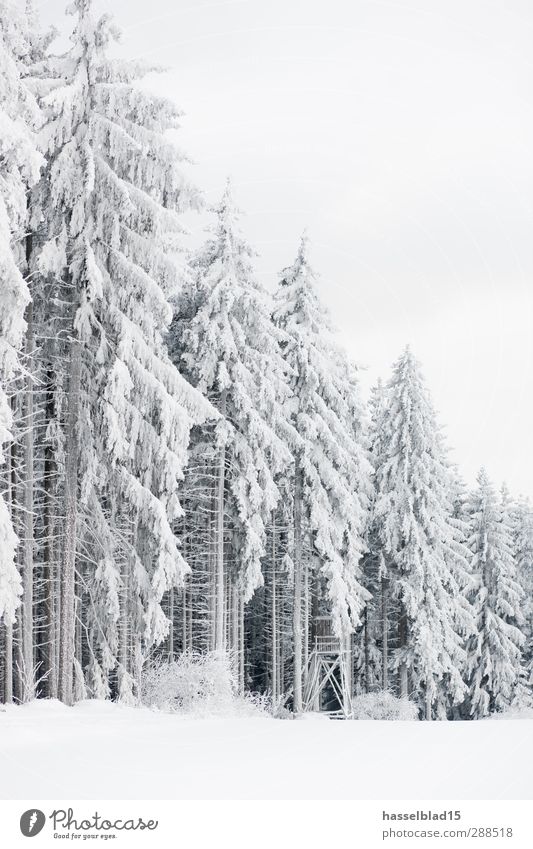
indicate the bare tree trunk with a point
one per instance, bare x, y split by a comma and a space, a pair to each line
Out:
184, 623
50, 669
274, 618
191, 614
235, 610
171, 629
241, 645
220, 636
18, 662
212, 576
402, 643
78, 644
429, 706
8, 665
8, 668
138, 662
68, 624
306, 624
297, 610
124, 642
385, 633
367, 651
281, 641
235, 629
227, 612
28, 529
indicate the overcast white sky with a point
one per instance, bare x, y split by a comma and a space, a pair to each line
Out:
401, 135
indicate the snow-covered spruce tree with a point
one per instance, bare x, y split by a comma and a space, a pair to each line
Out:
115, 188
522, 518
367, 658
40, 449
19, 169
377, 612
224, 340
413, 514
459, 563
495, 671
330, 477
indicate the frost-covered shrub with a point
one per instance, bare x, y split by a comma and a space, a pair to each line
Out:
191, 683
383, 706
265, 703
199, 685
513, 713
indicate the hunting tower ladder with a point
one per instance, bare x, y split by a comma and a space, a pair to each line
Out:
329, 682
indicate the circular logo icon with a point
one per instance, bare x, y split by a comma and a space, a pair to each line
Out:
32, 822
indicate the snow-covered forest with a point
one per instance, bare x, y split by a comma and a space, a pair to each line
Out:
188, 464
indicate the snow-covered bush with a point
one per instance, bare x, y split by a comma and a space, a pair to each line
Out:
197, 684
383, 706
513, 713
191, 682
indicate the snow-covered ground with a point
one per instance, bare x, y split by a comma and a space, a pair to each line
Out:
100, 750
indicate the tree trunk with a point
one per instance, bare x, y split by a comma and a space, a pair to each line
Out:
191, 614
274, 619
18, 663
184, 622
8, 668
67, 623
212, 577
171, 628
367, 652
241, 645
402, 644
305, 628
125, 606
297, 610
28, 529
212, 573
281, 641
220, 636
385, 633
236, 630
49, 471
8, 665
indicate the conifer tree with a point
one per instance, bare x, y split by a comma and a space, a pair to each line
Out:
523, 546
224, 340
495, 671
114, 192
19, 169
330, 478
413, 512
378, 611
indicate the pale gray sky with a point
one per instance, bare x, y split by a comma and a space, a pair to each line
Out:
401, 135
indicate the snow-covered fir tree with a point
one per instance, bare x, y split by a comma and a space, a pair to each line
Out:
224, 339
331, 474
413, 513
495, 670
115, 189
378, 612
20, 162
522, 519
